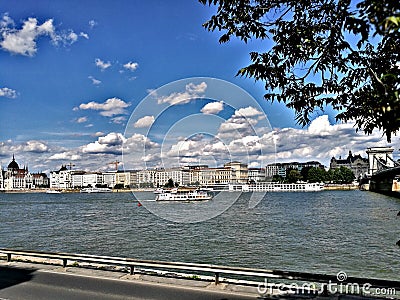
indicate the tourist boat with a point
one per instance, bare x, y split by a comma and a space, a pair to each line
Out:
158, 191
53, 192
277, 187
96, 190
183, 194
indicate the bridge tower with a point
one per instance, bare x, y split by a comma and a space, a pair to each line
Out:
378, 156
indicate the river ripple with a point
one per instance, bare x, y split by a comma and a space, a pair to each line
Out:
324, 232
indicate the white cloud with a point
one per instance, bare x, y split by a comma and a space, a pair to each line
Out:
92, 23
7, 92
102, 64
248, 112
111, 144
6, 21
111, 107
84, 35
24, 41
242, 123
131, 66
35, 146
213, 107
98, 133
118, 120
81, 120
94, 80
65, 156
191, 92
144, 122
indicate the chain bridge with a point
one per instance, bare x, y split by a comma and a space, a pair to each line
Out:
384, 171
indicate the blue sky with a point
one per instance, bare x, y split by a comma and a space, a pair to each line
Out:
73, 72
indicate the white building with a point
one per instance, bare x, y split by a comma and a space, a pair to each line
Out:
110, 179
178, 175
15, 178
256, 174
83, 179
61, 179
146, 178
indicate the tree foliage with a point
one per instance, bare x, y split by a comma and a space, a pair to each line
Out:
338, 53
293, 175
341, 175
316, 175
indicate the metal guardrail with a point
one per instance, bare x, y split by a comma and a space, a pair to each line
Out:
216, 270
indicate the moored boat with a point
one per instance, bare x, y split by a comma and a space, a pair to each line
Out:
53, 192
183, 194
96, 190
277, 187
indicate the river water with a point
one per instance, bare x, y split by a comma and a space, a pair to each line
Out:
324, 232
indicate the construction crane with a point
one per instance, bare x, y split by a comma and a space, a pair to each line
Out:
116, 163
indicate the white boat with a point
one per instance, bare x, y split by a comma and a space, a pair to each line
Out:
158, 191
183, 194
96, 190
277, 187
53, 192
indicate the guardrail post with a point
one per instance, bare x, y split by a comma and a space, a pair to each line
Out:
64, 262
132, 270
216, 278
8, 257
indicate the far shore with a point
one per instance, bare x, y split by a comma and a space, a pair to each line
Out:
327, 187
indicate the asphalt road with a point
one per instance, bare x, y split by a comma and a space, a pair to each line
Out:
31, 284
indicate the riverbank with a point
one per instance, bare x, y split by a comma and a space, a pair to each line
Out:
341, 187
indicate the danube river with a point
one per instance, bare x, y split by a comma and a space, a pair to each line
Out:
324, 232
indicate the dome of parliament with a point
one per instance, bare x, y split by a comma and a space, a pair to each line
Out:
13, 164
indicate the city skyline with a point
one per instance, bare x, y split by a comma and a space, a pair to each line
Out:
73, 73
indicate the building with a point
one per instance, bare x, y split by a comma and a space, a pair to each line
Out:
257, 174
126, 179
356, 163
280, 168
146, 178
61, 179
240, 172
15, 177
180, 176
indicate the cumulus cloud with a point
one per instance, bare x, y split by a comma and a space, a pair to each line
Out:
35, 146
8, 93
102, 64
65, 156
241, 123
192, 91
111, 107
144, 122
131, 66
94, 80
213, 107
81, 120
111, 143
23, 41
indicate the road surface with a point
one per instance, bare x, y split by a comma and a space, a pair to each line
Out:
34, 283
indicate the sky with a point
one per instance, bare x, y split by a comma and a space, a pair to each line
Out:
143, 83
